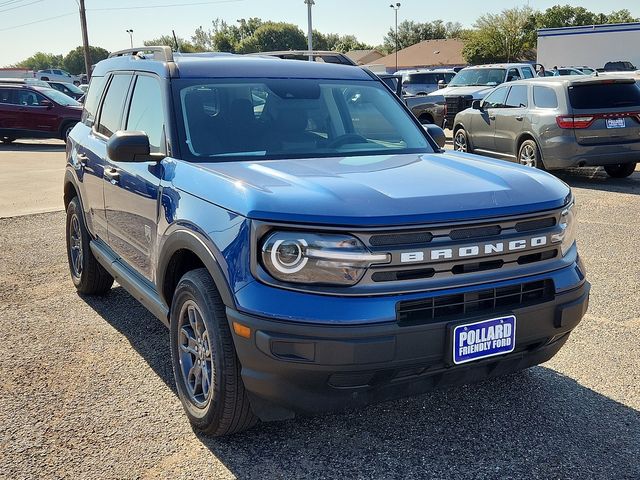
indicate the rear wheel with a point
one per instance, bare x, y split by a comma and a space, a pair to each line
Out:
622, 170
8, 140
87, 274
461, 141
205, 365
66, 130
529, 155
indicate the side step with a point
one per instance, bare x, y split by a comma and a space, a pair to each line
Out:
138, 287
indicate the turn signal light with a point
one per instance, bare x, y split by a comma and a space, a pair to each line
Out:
241, 330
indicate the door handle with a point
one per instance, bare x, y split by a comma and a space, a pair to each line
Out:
519, 117
112, 175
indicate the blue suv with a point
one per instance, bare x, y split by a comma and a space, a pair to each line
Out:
308, 244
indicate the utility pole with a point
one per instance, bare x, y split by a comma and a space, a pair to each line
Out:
396, 7
85, 39
309, 3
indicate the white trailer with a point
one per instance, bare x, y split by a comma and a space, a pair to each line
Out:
12, 72
591, 46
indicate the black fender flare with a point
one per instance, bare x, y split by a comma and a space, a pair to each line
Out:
184, 239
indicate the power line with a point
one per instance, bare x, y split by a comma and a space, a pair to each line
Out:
20, 6
11, 2
162, 6
37, 21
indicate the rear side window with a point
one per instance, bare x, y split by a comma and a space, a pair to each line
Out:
604, 95
113, 104
545, 97
146, 113
527, 72
6, 96
517, 97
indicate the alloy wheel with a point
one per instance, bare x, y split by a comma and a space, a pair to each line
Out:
75, 246
460, 141
196, 363
528, 156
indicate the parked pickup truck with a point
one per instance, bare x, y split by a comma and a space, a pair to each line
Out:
473, 83
427, 110
305, 240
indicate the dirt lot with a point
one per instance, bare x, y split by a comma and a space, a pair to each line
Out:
86, 389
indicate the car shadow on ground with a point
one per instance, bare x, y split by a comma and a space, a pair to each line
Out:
534, 424
26, 146
597, 179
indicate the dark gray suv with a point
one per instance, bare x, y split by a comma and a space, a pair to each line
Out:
557, 122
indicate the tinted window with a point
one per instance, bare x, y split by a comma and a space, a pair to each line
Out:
96, 87
604, 95
527, 72
111, 114
57, 72
292, 118
513, 74
28, 98
146, 113
517, 97
496, 98
478, 76
6, 96
544, 97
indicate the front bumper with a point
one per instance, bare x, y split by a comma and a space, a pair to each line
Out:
293, 368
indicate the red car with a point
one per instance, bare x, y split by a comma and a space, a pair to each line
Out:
28, 111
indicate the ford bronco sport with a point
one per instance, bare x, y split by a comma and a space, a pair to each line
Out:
307, 243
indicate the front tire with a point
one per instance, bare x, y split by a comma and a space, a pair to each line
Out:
8, 140
66, 130
461, 141
87, 274
622, 170
205, 365
529, 155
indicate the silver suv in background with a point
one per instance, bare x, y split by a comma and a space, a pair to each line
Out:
424, 81
557, 122
473, 83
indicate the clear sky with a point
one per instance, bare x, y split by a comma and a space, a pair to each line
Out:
27, 26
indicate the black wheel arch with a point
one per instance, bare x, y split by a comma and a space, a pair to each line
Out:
185, 250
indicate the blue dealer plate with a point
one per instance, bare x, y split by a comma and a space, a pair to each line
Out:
483, 339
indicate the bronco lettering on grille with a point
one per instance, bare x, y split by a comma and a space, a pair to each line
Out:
477, 250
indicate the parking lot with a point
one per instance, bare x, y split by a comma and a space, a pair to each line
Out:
87, 387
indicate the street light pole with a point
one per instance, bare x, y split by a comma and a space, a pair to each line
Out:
309, 3
396, 7
130, 32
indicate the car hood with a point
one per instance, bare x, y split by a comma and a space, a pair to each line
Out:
371, 190
478, 92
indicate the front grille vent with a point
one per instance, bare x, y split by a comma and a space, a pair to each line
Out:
408, 238
537, 224
482, 302
475, 232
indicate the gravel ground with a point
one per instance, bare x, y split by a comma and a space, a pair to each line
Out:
87, 391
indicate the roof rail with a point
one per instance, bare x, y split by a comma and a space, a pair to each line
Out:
166, 52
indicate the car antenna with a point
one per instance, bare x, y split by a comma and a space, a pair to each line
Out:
175, 39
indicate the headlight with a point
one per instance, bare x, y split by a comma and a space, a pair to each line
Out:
317, 258
567, 237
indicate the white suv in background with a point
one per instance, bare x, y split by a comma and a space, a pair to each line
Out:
57, 75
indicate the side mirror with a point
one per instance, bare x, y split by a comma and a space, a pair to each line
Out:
130, 146
477, 105
436, 133
441, 84
46, 103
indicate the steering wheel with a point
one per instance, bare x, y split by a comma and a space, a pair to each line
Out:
346, 139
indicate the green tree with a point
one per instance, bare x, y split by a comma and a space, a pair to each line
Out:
167, 40
621, 16
41, 61
504, 37
73, 61
410, 33
274, 36
350, 42
570, 16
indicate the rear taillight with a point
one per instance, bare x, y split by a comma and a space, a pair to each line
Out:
575, 121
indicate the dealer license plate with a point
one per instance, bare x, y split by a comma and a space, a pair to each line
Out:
483, 339
616, 123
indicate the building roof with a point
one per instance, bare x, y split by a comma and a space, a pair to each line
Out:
426, 54
362, 57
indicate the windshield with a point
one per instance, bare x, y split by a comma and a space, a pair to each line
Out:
231, 119
72, 88
58, 97
478, 76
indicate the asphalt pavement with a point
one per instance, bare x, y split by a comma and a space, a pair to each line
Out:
87, 391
